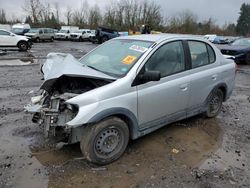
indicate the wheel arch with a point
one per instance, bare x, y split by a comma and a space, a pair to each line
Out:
222, 87
21, 41
122, 113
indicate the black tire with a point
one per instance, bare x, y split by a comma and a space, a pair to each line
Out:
52, 39
104, 39
23, 46
66, 38
105, 141
248, 59
38, 39
80, 39
214, 103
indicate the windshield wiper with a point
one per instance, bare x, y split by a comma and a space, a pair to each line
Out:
107, 73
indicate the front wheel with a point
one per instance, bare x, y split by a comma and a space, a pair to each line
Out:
248, 58
104, 39
105, 141
214, 103
23, 46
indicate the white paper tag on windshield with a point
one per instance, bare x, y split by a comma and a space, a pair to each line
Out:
138, 48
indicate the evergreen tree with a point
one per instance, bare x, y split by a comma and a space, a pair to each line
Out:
243, 25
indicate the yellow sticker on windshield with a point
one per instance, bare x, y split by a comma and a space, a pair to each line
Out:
129, 59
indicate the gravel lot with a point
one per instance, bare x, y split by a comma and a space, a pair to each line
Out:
210, 152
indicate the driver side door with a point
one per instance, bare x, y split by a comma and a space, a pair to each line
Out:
161, 102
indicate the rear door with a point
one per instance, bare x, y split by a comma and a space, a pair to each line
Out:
204, 74
162, 101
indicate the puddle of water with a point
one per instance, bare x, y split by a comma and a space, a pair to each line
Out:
150, 156
57, 157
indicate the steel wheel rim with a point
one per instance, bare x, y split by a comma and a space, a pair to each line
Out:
108, 142
215, 104
23, 46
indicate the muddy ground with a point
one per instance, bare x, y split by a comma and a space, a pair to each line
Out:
196, 152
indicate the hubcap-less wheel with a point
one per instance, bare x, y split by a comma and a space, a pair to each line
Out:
107, 142
215, 103
23, 46
104, 39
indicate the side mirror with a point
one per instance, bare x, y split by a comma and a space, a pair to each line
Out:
151, 75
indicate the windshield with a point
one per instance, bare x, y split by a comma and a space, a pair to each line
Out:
63, 31
33, 30
116, 57
242, 42
17, 30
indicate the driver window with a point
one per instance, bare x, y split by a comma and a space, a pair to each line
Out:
168, 59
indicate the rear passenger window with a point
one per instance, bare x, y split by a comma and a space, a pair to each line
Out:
199, 54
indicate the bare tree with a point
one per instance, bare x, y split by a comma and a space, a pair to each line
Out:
68, 15
3, 19
94, 17
57, 11
34, 9
80, 16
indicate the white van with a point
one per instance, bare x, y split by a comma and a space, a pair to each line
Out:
20, 28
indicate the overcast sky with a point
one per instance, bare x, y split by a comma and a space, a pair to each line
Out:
222, 11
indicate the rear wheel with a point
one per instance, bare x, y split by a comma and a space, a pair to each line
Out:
38, 39
52, 39
106, 141
23, 46
214, 103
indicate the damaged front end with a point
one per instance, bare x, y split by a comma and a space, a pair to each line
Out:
53, 113
63, 81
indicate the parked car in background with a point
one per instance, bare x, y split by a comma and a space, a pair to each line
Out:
20, 28
104, 34
213, 38
81, 35
9, 39
129, 87
41, 34
239, 49
64, 32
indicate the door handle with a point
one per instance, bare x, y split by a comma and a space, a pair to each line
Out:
184, 87
214, 77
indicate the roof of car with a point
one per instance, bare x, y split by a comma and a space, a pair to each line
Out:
159, 37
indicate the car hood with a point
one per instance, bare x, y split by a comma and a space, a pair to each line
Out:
235, 48
61, 33
31, 34
21, 37
60, 64
75, 33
